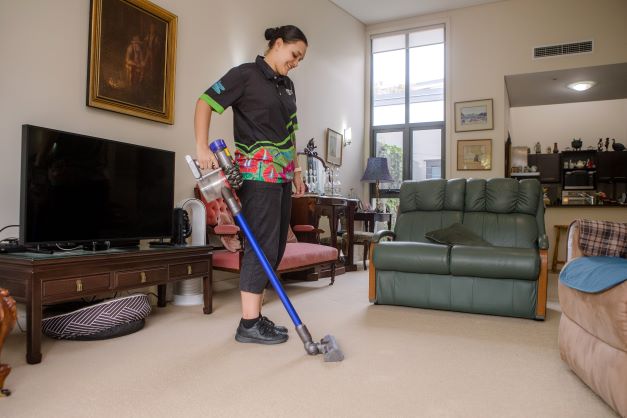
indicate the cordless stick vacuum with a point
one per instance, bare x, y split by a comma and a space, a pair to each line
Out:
215, 184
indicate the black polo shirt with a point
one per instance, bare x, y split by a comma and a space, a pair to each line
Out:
264, 119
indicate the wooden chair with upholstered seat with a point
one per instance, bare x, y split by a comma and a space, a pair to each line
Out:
308, 257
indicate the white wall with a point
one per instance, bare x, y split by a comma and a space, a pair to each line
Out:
490, 41
561, 123
43, 73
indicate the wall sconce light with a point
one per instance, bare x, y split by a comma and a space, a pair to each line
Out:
348, 136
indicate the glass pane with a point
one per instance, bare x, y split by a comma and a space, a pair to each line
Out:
388, 87
427, 154
426, 80
426, 112
390, 146
388, 43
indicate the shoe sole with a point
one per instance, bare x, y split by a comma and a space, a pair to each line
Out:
241, 339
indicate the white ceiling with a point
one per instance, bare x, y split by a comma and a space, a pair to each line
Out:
549, 87
376, 11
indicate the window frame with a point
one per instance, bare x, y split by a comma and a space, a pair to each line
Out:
407, 128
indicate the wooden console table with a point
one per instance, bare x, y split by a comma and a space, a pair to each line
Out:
309, 209
38, 279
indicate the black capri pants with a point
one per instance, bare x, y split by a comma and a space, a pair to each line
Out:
266, 208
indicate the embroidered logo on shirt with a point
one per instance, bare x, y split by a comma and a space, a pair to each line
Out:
289, 92
218, 87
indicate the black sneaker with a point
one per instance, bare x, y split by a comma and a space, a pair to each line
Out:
260, 333
278, 328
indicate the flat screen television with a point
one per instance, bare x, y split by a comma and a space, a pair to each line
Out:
78, 189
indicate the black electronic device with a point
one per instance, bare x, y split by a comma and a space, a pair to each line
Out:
181, 226
82, 189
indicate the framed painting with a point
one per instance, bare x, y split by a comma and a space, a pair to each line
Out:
132, 54
474, 154
473, 116
334, 147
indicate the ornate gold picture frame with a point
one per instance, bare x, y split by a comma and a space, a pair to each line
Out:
132, 55
474, 154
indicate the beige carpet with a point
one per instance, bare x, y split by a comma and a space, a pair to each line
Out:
400, 362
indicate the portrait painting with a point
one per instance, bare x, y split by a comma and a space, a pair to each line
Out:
132, 59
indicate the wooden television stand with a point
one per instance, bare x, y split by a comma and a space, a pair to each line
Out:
38, 279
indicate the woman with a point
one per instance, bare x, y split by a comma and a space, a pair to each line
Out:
264, 125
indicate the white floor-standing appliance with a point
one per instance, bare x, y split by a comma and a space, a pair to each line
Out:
189, 292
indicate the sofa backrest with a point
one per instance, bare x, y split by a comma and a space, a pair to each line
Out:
503, 211
428, 205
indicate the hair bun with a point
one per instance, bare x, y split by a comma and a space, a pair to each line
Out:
271, 33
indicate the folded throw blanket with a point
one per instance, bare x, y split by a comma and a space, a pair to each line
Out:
602, 238
594, 274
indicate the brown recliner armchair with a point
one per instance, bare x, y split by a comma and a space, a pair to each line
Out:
593, 332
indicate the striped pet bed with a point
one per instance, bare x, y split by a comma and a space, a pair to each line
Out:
113, 318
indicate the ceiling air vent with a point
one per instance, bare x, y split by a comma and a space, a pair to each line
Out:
562, 49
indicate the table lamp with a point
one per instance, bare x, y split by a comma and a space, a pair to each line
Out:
377, 171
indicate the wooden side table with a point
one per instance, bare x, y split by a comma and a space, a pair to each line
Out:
370, 218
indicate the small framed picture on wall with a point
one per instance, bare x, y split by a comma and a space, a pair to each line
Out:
474, 115
334, 147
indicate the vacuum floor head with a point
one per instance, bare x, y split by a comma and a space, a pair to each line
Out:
330, 349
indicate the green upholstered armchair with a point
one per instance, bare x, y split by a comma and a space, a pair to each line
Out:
505, 274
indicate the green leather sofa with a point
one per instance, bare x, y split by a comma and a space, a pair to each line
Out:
507, 276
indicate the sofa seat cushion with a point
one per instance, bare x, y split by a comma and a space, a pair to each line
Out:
495, 262
412, 257
297, 254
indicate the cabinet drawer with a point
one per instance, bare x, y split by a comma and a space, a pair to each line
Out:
75, 285
189, 269
141, 277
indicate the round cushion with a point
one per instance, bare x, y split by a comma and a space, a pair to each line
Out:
109, 319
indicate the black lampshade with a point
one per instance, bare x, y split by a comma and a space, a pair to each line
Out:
377, 170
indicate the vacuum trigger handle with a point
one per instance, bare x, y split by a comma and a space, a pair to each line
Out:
193, 165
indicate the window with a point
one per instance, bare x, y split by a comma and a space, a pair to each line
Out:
407, 121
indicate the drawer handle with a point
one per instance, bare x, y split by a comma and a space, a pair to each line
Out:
189, 270
79, 285
143, 276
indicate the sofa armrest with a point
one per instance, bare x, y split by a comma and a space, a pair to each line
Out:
379, 235
573, 250
543, 242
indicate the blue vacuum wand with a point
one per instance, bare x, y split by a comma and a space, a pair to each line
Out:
328, 346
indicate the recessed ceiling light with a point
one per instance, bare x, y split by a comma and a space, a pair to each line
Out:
581, 85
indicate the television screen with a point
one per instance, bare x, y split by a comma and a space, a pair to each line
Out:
76, 189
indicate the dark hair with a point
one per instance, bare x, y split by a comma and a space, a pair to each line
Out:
288, 33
